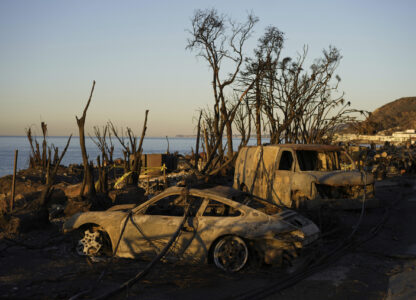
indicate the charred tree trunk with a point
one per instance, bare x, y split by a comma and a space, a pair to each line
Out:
32, 158
48, 167
258, 118
56, 155
44, 146
138, 154
167, 150
88, 181
102, 176
229, 139
207, 145
218, 136
46, 193
225, 119
126, 167
198, 136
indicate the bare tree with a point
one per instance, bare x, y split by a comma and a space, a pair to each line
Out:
132, 151
368, 126
208, 128
210, 169
295, 104
35, 159
106, 148
38, 158
124, 142
304, 100
45, 159
243, 121
298, 104
262, 70
51, 175
220, 41
138, 154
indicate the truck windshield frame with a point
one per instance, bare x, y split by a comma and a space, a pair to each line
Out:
312, 160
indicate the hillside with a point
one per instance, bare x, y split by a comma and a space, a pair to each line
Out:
398, 115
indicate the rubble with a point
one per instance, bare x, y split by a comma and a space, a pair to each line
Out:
65, 197
386, 161
76, 205
128, 195
65, 200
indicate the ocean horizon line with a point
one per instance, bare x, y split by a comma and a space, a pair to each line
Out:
152, 137
65, 136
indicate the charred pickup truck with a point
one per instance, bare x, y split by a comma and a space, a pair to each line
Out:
304, 176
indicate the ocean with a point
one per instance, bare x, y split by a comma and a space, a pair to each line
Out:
8, 144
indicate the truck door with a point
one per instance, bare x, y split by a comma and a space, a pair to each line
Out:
280, 190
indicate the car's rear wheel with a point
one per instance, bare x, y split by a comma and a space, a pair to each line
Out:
93, 242
230, 253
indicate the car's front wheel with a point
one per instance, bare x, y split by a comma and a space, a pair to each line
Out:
93, 242
230, 253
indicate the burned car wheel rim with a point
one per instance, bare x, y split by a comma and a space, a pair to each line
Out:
90, 244
230, 254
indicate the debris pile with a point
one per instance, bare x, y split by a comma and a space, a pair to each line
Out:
386, 161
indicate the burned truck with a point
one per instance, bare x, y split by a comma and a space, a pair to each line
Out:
304, 176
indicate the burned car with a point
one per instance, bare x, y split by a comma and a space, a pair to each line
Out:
304, 176
224, 226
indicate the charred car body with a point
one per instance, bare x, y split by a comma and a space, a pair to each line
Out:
303, 176
224, 225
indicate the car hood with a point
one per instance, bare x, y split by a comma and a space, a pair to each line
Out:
342, 178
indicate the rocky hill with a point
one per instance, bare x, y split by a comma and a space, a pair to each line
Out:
396, 115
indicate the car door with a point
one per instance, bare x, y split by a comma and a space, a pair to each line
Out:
216, 219
150, 229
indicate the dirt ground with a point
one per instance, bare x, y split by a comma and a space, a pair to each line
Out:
378, 263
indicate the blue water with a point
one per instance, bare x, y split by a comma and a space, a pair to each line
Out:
8, 144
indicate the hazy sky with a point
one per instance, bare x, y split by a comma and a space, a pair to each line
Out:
51, 51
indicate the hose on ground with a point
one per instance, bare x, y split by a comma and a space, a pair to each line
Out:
150, 265
324, 261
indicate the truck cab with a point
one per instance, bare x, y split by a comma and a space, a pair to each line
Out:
303, 176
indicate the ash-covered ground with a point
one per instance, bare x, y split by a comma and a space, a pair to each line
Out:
377, 262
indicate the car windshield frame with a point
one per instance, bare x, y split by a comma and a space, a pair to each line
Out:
248, 199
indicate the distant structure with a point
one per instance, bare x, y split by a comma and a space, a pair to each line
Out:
398, 137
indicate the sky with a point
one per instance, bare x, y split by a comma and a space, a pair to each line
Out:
52, 50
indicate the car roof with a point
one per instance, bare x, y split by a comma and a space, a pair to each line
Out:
310, 147
219, 190
228, 195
